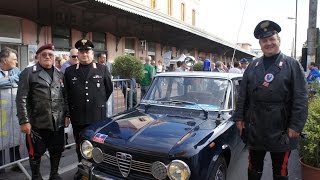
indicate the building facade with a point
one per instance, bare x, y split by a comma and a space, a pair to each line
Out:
112, 29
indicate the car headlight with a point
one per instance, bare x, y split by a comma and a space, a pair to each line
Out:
178, 170
97, 155
86, 149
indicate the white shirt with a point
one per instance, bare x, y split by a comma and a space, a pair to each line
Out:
235, 70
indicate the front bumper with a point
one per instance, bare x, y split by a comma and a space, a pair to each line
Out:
90, 173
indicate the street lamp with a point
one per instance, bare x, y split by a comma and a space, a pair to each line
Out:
295, 30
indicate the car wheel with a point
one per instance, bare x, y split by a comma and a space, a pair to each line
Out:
219, 171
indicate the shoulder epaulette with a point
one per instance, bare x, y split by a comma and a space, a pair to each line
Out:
34, 68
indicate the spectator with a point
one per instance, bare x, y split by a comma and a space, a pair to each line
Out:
181, 66
102, 59
148, 76
206, 65
9, 73
243, 64
218, 67
88, 87
9, 77
160, 67
153, 63
314, 73
58, 62
236, 68
127, 88
73, 60
42, 111
65, 57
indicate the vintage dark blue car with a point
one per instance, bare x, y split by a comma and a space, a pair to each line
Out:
182, 129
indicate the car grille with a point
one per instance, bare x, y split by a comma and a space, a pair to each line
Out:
126, 168
127, 164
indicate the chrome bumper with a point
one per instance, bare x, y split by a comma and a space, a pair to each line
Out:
90, 173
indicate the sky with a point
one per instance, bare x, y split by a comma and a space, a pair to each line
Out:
222, 18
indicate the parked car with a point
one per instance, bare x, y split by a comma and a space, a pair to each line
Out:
182, 129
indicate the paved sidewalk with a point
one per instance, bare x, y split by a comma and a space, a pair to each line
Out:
68, 164
236, 171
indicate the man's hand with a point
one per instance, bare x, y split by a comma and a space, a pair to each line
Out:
240, 125
26, 128
66, 122
292, 133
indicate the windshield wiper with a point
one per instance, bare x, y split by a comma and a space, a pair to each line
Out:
205, 112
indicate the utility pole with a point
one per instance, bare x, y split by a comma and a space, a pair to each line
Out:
295, 31
312, 31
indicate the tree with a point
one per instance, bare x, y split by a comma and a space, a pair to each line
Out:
128, 66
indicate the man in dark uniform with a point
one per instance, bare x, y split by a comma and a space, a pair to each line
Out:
43, 111
88, 87
272, 106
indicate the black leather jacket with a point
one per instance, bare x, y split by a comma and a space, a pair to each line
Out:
40, 100
269, 109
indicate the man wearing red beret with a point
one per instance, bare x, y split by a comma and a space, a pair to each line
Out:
43, 111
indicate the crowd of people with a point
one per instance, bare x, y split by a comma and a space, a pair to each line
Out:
218, 66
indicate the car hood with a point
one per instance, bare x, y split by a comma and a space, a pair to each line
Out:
150, 132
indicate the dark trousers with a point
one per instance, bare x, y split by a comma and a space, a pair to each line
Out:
144, 90
279, 162
76, 133
42, 139
134, 98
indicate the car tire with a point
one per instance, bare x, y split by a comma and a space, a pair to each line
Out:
219, 171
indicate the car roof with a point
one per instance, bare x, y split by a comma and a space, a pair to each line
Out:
201, 74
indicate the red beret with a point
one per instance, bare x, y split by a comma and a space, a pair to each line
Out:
46, 46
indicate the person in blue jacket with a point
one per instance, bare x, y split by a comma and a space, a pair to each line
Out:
314, 73
9, 73
206, 65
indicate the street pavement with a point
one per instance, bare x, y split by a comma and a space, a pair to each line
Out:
236, 171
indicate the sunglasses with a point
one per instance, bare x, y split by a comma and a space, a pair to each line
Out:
74, 56
45, 54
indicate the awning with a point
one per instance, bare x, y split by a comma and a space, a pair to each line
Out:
143, 11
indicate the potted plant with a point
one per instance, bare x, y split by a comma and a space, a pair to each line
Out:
198, 66
310, 145
128, 66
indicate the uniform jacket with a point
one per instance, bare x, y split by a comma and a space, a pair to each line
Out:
87, 96
41, 100
269, 109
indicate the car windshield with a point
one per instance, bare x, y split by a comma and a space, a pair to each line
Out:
200, 92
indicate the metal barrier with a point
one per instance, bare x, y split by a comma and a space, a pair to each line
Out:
125, 96
13, 149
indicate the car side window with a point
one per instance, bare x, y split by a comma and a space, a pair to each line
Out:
236, 89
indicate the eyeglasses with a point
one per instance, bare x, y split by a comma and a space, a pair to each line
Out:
45, 54
74, 56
